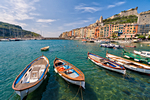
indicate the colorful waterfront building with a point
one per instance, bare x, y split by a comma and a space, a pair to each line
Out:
85, 32
82, 32
129, 30
70, 34
106, 31
101, 30
97, 32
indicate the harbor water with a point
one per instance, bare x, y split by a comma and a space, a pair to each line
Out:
100, 83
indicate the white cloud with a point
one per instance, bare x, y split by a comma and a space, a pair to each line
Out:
46, 20
84, 8
14, 11
116, 4
34, 14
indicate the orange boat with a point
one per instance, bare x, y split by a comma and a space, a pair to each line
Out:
131, 46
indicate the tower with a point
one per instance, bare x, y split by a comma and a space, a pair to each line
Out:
101, 19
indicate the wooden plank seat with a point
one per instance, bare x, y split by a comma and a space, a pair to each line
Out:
65, 70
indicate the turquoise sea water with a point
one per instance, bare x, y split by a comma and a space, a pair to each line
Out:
100, 83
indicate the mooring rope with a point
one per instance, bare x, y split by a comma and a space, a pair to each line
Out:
11, 95
81, 93
77, 93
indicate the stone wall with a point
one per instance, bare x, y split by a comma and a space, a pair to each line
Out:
132, 11
129, 12
144, 18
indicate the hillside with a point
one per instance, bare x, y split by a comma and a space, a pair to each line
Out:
12, 31
121, 20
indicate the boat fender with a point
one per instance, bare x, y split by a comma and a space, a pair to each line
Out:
61, 69
45, 76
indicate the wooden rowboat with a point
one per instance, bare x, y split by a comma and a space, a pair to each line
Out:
31, 77
105, 63
132, 65
69, 72
45, 48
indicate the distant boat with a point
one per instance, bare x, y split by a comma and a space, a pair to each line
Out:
4, 40
135, 41
148, 45
84, 40
131, 46
31, 77
91, 41
45, 48
69, 72
110, 45
12, 39
105, 63
107, 45
132, 65
142, 53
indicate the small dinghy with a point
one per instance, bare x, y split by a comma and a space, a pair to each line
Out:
132, 65
31, 77
105, 63
45, 48
69, 72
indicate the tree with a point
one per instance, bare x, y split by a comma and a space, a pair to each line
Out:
149, 37
141, 37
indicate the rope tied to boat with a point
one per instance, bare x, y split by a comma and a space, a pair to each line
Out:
80, 88
77, 93
11, 95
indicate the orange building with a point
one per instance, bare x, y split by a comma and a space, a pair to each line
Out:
97, 32
69, 33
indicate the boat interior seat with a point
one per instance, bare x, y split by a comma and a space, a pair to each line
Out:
34, 76
103, 61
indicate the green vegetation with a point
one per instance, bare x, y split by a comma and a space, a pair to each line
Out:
121, 20
141, 37
12, 31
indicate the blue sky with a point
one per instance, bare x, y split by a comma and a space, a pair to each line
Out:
52, 17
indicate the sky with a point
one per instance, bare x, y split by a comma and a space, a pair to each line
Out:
50, 18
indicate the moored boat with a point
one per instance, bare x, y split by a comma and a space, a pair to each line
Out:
136, 57
45, 48
105, 63
132, 65
31, 77
4, 40
84, 40
110, 45
131, 46
69, 72
142, 53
